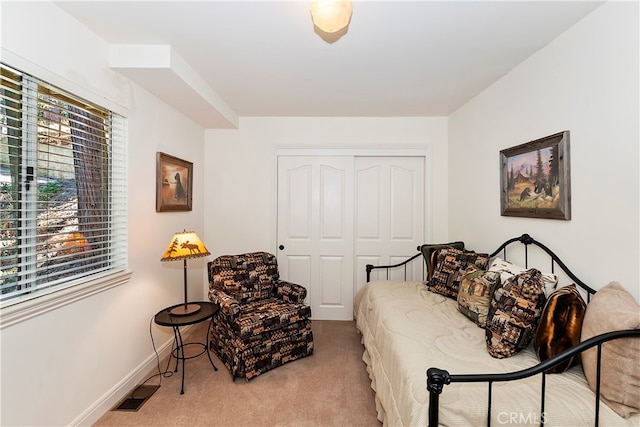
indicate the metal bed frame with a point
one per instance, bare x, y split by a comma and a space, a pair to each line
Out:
438, 378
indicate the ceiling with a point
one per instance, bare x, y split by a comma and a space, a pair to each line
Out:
220, 60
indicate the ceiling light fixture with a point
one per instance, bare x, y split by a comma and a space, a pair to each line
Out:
331, 16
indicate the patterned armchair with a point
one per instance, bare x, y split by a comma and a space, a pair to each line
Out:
263, 321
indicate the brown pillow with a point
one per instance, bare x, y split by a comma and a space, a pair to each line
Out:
560, 326
614, 308
452, 263
515, 309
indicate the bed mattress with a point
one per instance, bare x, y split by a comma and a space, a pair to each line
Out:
407, 329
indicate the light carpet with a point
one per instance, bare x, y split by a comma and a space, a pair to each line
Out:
329, 388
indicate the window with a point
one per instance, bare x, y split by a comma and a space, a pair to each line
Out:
63, 210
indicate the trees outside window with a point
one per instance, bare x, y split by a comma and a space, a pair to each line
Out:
62, 188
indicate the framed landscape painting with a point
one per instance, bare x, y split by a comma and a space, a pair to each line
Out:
534, 179
174, 183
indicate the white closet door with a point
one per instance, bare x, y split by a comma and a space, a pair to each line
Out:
389, 217
338, 213
315, 230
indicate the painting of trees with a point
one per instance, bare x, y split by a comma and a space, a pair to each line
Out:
534, 178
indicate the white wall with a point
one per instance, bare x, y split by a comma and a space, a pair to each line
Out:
240, 179
586, 81
72, 364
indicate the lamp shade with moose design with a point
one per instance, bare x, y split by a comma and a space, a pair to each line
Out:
185, 245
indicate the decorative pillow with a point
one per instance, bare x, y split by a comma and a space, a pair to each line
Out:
560, 326
614, 308
429, 250
508, 269
515, 309
450, 268
474, 296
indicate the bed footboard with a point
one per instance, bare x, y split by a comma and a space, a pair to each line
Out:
438, 378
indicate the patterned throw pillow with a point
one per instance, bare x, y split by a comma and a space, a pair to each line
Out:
560, 326
508, 269
429, 253
451, 265
515, 309
476, 290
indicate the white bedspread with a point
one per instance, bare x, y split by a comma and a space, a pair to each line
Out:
407, 329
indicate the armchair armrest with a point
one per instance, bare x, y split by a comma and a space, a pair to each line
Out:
229, 306
290, 292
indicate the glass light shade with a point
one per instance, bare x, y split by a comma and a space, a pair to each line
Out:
331, 15
185, 245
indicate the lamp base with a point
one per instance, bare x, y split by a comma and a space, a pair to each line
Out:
183, 310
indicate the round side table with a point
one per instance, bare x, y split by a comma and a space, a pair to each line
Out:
165, 318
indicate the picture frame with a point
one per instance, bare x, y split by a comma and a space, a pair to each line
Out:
535, 179
174, 183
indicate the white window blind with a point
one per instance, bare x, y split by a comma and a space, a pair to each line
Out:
63, 206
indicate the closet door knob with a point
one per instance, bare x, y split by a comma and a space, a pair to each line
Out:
281, 247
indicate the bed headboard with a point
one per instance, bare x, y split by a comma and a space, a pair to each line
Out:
525, 239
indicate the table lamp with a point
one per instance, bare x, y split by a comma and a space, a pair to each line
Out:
185, 245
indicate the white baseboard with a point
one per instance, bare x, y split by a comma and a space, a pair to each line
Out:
124, 387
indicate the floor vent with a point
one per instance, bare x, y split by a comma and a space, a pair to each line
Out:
137, 398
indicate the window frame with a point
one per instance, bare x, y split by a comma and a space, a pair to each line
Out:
43, 301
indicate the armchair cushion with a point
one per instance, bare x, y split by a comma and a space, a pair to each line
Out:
247, 277
258, 317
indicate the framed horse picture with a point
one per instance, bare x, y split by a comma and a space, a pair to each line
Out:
535, 180
174, 183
